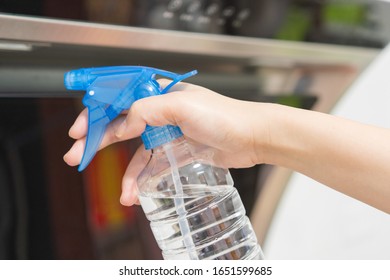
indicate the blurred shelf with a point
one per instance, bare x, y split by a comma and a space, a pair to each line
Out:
34, 32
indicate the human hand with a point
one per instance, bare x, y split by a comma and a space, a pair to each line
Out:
224, 124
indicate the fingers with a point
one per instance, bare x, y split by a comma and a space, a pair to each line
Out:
131, 126
182, 86
80, 126
129, 194
129, 182
154, 111
74, 155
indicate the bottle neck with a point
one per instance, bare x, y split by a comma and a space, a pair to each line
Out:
177, 144
155, 136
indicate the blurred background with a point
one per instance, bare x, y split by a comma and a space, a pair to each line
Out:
346, 22
324, 55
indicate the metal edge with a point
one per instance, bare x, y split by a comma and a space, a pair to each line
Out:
261, 51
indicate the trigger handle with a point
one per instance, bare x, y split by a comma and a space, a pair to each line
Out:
97, 123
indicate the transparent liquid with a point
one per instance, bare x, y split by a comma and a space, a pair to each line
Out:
214, 216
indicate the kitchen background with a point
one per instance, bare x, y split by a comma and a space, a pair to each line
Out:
309, 54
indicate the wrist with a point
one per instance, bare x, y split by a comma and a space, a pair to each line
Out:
275, 135
262, 122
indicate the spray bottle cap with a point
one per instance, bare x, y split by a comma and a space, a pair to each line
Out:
109, 91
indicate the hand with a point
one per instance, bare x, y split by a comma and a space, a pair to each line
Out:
224, 124
337, 152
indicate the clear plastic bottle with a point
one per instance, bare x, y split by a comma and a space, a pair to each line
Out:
193, 208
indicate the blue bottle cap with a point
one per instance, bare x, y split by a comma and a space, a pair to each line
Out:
156, 136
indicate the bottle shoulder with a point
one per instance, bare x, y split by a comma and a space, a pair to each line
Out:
190, 169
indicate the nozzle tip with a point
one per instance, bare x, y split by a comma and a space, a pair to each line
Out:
75, 79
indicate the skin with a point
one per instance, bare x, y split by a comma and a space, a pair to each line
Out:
350, 157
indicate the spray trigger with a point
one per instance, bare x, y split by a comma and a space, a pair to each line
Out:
111, 90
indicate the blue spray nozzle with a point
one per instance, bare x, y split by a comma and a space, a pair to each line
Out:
110, 90
76, 80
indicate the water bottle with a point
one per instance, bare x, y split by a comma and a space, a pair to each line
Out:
194, 210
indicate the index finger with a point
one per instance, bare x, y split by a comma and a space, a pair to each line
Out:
79, 129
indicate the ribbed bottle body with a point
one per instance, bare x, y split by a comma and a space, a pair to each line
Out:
194, 210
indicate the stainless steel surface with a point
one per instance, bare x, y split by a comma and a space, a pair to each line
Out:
37, 48
41, 30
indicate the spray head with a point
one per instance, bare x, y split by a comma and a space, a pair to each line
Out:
109, 91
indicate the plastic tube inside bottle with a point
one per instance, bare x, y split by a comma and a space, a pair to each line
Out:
179, 204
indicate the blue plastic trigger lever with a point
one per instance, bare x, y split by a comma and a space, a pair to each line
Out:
109, 91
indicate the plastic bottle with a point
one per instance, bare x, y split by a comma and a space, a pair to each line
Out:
193, 208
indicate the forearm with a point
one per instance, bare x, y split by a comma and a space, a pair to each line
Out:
350, 157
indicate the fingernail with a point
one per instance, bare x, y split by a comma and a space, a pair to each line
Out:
121, 129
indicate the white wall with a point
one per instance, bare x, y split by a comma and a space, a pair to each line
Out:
316, 222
